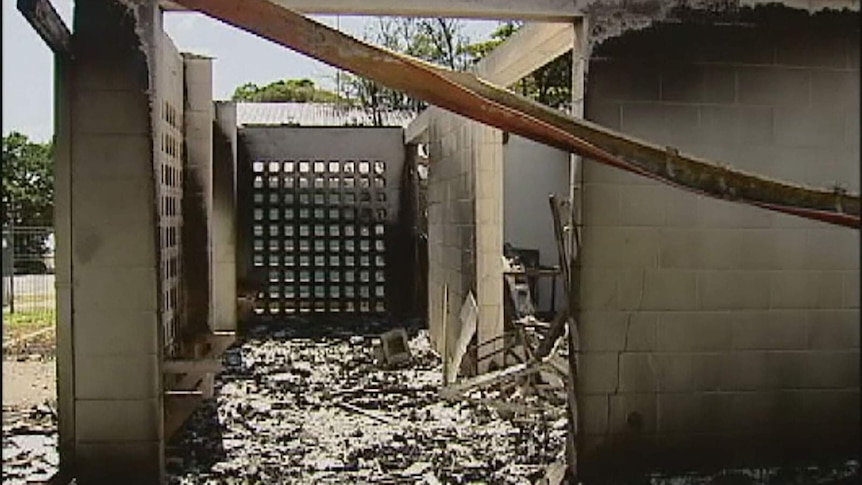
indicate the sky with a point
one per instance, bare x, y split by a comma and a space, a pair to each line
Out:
239, 57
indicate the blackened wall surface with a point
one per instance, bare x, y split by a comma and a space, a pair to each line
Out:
712, 333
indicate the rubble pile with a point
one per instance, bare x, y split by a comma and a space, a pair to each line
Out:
29, 444
300, 408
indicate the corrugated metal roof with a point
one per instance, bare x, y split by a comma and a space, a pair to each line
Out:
315, 114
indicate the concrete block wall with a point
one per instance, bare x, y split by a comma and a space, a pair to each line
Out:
224, 269
197, 193
115, 393
451, 220
711, 332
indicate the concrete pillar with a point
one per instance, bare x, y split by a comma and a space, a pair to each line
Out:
487, 149
63, 262
224, 218
197, 194
107, 213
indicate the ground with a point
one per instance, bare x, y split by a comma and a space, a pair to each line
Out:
29, 393
294, 406
308, 403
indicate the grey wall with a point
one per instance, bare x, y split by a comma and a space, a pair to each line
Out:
311, 144
714, 333
532, 172
114, 322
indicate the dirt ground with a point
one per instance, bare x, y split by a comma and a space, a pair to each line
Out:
28, 383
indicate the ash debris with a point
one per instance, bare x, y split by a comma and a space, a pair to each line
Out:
29, 444
296, 406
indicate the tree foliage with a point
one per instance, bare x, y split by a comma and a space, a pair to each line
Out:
28, 181
285, 90
437, 40
550, 84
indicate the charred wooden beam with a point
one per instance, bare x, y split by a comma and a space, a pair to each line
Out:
48, 24
469, 96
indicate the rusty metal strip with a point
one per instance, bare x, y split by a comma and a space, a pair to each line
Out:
474, 98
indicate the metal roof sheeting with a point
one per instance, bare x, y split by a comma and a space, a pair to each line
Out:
316, 114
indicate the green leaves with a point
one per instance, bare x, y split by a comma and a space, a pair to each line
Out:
285, 90
28, 181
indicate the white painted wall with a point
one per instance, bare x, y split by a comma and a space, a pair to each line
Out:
531, 172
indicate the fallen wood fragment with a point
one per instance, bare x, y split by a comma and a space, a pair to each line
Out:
366, 413
492, 378
472, 97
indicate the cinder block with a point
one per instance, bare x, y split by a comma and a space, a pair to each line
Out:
831, 248
604, 112
673, 371
808, 126
752, 412
748, 371
594, 414
598, 373
773, 86
693, 412
631, 284
637, 373
733, 290
669, 290
102, 203
641, 205
641, 331
117, 421
601, 204
598, 289
833, 329
134, 376
680, 208
117, 245
786, 369
772, 330
852, 130
111, 112
631, 81
851, 290
682, 82
694, 332
806, 290
634, 413
115, 288
620, 247
834, 89
718, 124
791, 248
101, 332
719, 84
756, 125
716, 214
682, 125
108, 157
837, 369
645, 121
833, 411
602, 330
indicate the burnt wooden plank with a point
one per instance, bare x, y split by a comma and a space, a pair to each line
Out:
48, 24
472, 97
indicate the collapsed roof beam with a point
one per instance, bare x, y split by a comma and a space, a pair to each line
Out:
48, 24
469, 96
547, 10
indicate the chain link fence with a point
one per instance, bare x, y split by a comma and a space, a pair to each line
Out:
28, 271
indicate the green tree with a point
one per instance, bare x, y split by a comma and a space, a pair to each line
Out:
28, 181
285, 90
550, 84
441, 41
